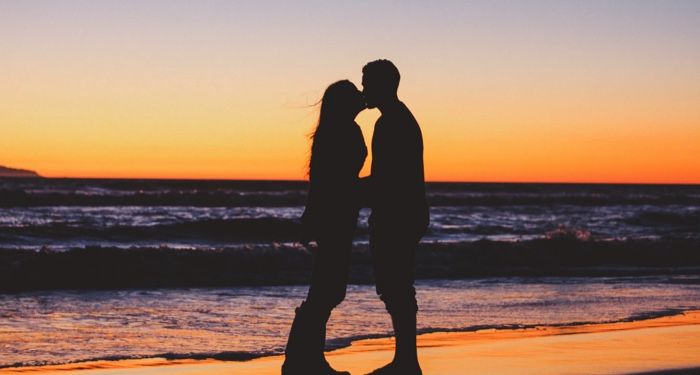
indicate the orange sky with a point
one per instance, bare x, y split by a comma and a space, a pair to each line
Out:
504, 91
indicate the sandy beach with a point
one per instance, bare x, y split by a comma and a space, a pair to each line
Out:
664, 344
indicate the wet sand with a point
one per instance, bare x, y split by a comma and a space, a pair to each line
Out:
662, 345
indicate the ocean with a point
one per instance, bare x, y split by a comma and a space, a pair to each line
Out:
109, 268
62, 214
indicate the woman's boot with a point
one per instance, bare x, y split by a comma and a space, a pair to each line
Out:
300, 344
304, 351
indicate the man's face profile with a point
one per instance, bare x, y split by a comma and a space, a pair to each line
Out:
369, 91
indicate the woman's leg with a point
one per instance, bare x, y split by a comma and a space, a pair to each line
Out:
328, 286
330, 273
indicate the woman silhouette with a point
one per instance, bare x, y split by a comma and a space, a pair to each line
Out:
338, 152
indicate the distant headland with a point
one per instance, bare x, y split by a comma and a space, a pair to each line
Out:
12, 172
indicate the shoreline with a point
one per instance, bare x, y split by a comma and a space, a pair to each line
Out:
345, 342
621, 347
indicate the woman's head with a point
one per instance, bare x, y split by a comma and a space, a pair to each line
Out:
341, 103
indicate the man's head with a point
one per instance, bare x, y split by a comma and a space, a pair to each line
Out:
380, 81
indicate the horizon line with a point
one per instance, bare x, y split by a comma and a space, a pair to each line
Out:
304, 180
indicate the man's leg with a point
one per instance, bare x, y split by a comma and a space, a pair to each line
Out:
394, 262
403, 318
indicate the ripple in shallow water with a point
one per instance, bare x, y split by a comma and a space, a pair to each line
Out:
55, 327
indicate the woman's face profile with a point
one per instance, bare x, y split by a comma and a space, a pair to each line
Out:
354, 100
342, 99
359, 101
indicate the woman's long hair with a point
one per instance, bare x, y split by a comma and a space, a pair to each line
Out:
336, 106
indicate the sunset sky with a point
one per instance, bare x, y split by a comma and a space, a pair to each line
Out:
570, 91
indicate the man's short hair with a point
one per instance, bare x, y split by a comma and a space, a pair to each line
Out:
384, 72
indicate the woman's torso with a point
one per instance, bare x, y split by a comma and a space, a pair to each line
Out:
334, 182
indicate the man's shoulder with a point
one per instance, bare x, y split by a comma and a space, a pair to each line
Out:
407, 112
397, 118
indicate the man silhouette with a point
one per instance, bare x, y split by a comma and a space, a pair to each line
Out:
400, 215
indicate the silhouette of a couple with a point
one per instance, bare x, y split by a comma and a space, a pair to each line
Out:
395, 191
